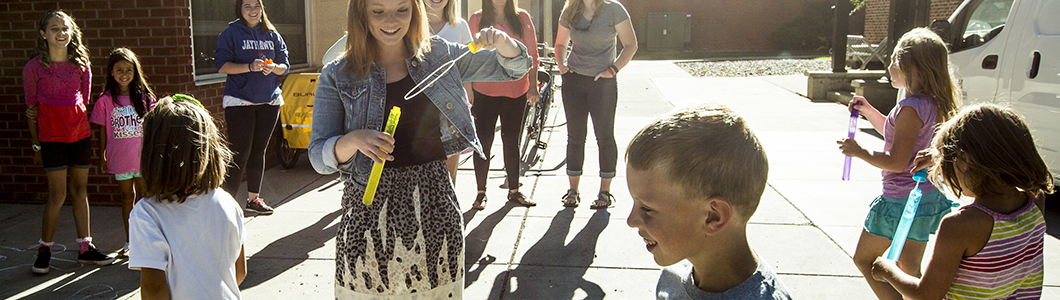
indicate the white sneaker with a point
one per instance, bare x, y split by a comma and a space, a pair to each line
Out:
124, 252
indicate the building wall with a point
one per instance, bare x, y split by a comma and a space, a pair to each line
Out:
724, 25
942, 9
716, 25
877, 11
158, 31
327, 25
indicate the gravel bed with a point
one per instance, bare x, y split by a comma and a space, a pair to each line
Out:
750, 68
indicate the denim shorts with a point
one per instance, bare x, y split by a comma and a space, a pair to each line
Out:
126, 176
886, 212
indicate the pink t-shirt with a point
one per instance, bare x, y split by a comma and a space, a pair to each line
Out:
60, 92
124, 132
510, 89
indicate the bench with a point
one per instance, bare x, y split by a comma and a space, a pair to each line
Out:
859, 51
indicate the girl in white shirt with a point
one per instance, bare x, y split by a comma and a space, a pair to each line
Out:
186, 235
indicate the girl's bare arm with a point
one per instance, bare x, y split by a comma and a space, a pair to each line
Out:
241, 266
961, 234
153, 284
903, 148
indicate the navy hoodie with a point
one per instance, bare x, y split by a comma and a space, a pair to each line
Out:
242, 45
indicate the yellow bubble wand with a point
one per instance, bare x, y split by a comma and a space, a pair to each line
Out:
377, 169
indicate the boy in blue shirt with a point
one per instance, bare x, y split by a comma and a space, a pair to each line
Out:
696, 177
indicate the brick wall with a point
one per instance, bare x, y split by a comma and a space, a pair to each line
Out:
723, 25
877, 11
942, 9
158, 31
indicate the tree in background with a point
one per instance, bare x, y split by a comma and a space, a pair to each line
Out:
810, 31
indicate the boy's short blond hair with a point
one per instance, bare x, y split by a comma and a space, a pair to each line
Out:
707, 151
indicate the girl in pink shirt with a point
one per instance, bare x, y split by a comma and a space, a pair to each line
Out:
56, 83
120, 112
504, 100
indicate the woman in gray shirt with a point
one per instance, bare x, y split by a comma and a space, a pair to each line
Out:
588, 30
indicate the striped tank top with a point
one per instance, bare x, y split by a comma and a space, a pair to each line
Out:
1011, 264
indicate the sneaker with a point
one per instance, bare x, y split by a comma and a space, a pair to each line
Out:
93, 257
124, 252
258, 205
44, 257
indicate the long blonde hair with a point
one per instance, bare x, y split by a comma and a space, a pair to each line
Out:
448, 13
924, 61
574, 8
76, 52
362, 47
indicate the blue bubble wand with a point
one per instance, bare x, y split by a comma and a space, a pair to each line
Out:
908, 214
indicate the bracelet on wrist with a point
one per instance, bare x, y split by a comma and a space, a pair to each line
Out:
613, 69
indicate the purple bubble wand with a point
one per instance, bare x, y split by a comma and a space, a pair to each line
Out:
850, 134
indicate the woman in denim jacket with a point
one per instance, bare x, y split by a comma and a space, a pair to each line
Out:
410, 240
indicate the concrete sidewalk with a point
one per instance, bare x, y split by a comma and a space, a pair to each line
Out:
806, 226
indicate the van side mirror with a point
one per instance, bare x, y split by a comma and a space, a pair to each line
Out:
942, 28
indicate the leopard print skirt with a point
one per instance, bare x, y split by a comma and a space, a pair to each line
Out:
408, 244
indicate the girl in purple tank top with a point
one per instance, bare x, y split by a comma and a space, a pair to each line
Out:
919, 64
992, 248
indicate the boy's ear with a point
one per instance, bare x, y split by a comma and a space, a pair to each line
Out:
718, 215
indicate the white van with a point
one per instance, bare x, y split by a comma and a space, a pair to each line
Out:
1008, 52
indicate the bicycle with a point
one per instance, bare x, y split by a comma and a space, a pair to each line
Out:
536, 115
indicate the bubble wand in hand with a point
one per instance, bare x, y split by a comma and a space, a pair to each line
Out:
444, 68
377, 169
908, 214
850, 134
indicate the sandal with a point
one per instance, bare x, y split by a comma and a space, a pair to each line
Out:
480, 202
571, 199
603, 200
518, 197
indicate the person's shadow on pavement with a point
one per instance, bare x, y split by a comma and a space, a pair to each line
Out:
552, 270
289, 251
476, 240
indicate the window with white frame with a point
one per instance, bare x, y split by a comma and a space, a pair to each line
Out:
210, 17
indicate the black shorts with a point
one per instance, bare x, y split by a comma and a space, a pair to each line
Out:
59, 156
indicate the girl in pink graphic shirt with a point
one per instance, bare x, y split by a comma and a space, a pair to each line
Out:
56, 83
119, 112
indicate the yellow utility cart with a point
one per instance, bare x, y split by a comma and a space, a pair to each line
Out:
296, 116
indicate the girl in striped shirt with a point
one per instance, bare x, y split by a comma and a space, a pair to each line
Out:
992, 248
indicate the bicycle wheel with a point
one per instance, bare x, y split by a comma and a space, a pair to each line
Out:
528, 138
288, 156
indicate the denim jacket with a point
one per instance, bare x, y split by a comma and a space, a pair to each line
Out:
344, 103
